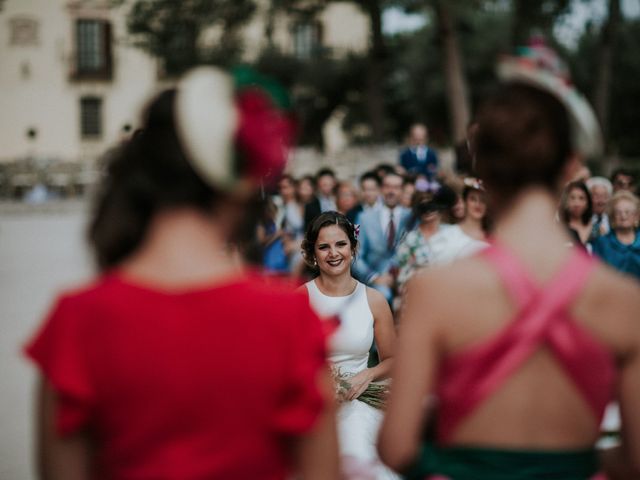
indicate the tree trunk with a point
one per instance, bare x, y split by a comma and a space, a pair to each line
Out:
604, 59
456, 85
375, 72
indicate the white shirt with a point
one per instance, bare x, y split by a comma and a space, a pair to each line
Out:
385, 215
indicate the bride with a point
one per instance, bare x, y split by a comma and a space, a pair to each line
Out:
329, 247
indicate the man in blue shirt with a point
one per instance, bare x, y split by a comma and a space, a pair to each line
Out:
418, 158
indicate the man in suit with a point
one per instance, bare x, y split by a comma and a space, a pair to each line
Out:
601, 191
418, 158
324, 200
380, 231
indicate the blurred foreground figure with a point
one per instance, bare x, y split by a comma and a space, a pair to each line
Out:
525, 344
175, 363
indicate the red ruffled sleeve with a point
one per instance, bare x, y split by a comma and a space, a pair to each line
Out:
59, 349
302, 400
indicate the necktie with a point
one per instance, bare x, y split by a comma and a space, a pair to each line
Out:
391, 232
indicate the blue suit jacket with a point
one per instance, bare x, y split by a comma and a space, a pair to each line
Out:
373, 257
427, 166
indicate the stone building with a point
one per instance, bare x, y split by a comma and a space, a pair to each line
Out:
71, 83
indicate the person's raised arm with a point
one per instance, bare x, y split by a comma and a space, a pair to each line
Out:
413, 373
59, 458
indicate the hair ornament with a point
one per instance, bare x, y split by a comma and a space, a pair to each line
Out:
474, 183
356, 230
539, 66
236, 128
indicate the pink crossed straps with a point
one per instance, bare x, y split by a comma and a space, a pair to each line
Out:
542, 318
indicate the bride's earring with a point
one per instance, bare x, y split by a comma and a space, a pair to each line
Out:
315, 262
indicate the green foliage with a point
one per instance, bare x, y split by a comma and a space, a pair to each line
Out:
173, 31
625, 88
415, 87
318, 87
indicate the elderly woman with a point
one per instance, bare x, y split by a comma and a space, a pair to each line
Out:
620, 248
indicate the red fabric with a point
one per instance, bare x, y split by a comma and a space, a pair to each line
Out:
206, 383
264, 134
469, 377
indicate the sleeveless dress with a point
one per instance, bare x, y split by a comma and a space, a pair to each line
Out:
358, 423
469, 377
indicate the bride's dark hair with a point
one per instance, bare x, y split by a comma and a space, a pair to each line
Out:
323, 220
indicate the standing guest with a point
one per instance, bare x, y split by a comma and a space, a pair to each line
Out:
330, 247
382, 169
381, 230
414, 251
369, 196
324, 199
175, 363
292, 222
623, 179
417, 158
408, 189
512, 342
305, 189
601, 190
456, 211
620, 248
468, 236
346, 197
577, 212
270, 238
465, 152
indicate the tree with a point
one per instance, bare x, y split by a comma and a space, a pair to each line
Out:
173, 31
604, 63
453, 69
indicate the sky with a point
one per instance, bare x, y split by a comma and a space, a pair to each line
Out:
394, 20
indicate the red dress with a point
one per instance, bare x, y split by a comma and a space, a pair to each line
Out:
200, 384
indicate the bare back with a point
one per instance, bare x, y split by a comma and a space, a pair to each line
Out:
538, 405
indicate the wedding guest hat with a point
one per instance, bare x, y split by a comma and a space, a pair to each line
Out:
235, 127
539, 66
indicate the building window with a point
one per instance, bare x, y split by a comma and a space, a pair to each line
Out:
93, 49
306, 39
90, 117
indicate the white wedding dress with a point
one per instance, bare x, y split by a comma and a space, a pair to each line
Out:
358, 423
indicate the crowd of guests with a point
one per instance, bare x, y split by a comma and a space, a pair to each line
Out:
602, 216
408, 221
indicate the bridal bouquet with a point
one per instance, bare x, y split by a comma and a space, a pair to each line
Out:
375, 394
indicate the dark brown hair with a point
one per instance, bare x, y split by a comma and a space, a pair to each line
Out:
524, 139
326, 219
149, 174
588, 213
